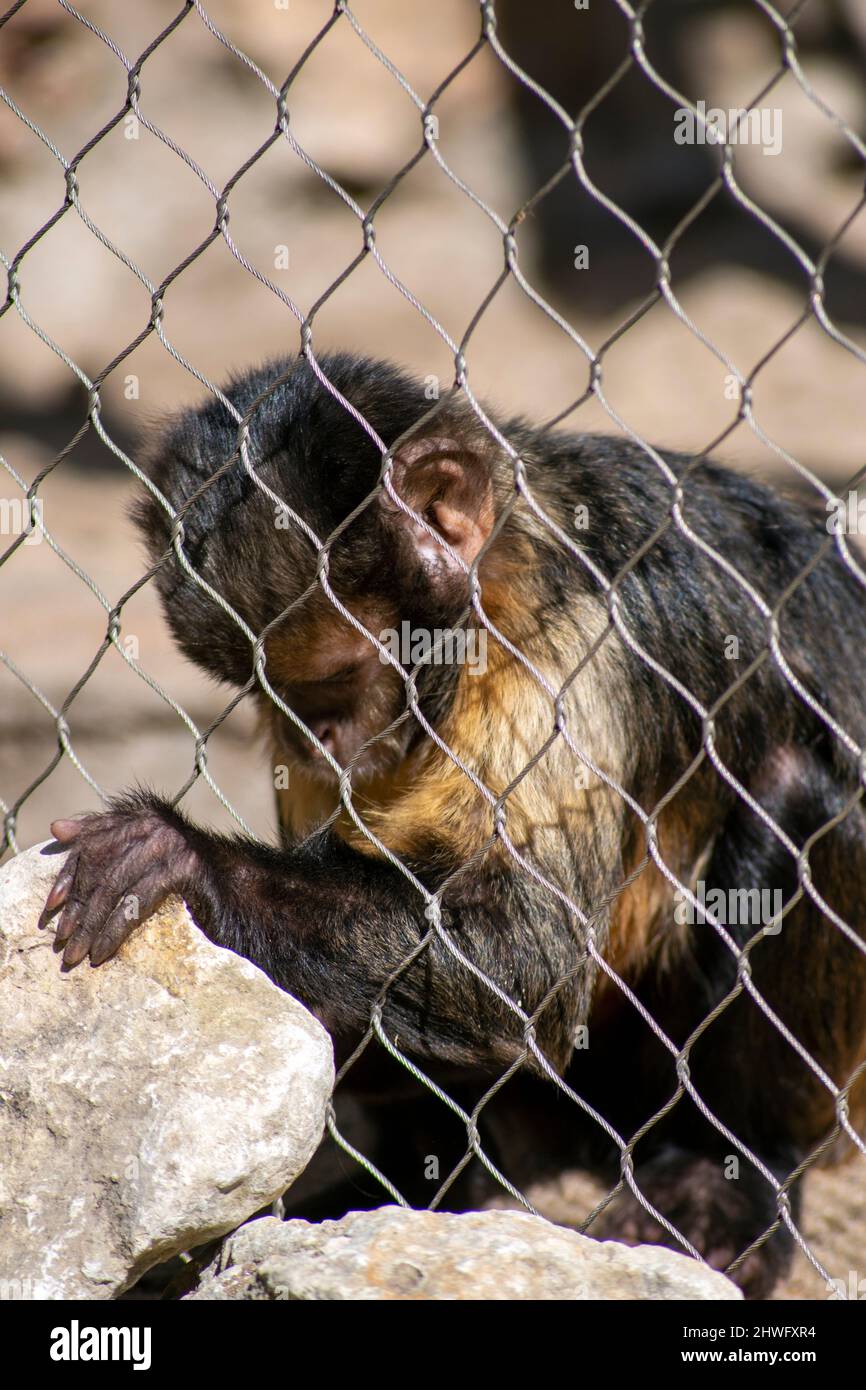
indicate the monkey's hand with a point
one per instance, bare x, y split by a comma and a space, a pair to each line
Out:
121, 865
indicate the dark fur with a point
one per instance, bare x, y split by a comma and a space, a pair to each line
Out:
331, 922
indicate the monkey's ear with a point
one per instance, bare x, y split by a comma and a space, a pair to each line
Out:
450, 486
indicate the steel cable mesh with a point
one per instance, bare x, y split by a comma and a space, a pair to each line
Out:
584, 916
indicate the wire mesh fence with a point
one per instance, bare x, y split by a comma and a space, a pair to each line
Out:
26, 522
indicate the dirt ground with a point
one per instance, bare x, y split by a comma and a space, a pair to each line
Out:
660, 378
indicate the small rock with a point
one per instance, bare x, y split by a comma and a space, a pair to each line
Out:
147, 1106
393, 1253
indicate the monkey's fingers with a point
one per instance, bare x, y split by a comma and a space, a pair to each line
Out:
101, 926
60, 890
86, 912
107, 889
93, 868
87, 904
81, 924
99, 830
68, 921
67, 830
144, 898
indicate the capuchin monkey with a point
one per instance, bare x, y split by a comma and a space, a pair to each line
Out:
653, 713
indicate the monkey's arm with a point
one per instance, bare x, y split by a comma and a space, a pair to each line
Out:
328, 924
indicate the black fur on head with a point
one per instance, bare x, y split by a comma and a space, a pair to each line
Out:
321, 463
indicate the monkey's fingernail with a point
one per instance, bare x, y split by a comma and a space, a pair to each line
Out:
65, 830
100, 951
65, 928
55, 899
74, 953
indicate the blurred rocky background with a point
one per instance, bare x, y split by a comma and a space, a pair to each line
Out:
742, 287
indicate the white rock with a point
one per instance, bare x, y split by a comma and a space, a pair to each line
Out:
397, 1254
146, 1106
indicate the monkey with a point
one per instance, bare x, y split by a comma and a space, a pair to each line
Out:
499, 868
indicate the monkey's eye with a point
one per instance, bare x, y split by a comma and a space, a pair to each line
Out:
339, 677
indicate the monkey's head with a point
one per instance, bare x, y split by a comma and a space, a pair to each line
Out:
319, 519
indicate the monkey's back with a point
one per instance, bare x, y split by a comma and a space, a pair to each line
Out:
732, 575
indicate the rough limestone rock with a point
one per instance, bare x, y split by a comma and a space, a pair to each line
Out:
146, 1106
397, 1254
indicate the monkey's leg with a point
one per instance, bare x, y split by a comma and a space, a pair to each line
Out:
812, 977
